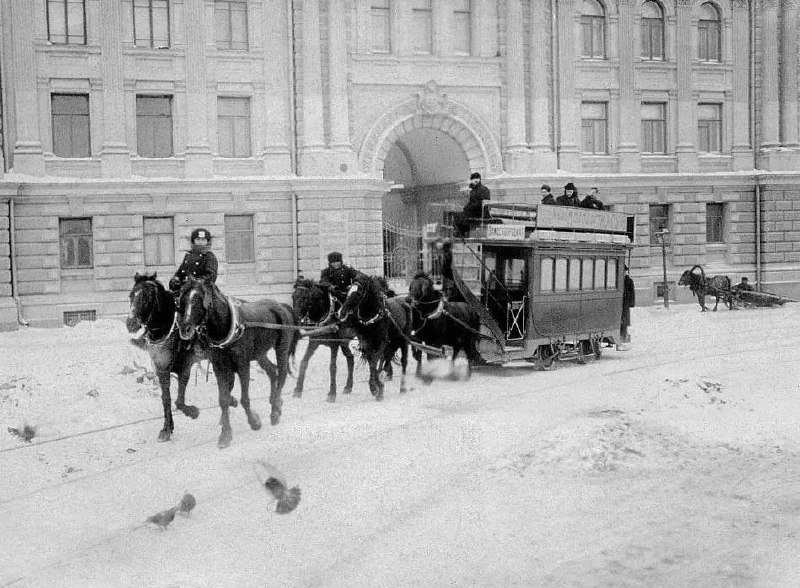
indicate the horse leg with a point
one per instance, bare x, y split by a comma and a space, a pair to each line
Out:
348, 355
702, 300
274, 399
224, 385
301, 377
244, 381
417, 354
332, 370
185, 371
166, 403
716, 302
403, 366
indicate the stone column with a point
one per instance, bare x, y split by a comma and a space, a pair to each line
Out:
276, 114
543, 156
770, 88
686, 148
28, 156
739, 119
630, 112
313, 130
199, 159
115, 157
515, 149
569, 121
788, 74
339, 107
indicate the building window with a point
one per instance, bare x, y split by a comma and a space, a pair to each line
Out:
70, 114
151, 23
75, 235
709, 34
594, 127
654, 127
659, 220
709, 128
230, 24
66, 22
159, 241
593, 29
652, 31
462, 24
422, 27
380, 26
154, 126
715, 223
239, 239
233, 127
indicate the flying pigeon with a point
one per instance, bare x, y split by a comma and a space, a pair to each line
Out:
275, 482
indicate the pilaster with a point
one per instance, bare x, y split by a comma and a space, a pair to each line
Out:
742, 150
569, 154
199, 159
28, 156
115, 157
516, 153
686, 148
788, 75
543, 156
630, 114
313, 147
277, 160
770, 87
339, 107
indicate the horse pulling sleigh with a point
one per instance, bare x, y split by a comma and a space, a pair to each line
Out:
721, 289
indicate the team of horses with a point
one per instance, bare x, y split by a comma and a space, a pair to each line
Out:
201, 322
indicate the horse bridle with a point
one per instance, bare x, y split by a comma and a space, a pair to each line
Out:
156, 307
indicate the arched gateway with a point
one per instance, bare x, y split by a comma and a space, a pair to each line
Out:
426, 146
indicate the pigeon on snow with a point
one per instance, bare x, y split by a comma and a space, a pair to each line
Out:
187, 504
275, 482
163, 518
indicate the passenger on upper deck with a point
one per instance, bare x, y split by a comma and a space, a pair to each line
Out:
570, 196
473, 209
592, 201
547, 196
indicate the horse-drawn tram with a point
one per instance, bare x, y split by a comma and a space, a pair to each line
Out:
547, 281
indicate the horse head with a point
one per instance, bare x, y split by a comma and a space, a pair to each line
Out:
310, 301
145, 301
194, 303
692, 279
366, 297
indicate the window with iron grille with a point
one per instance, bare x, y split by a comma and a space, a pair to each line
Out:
422, 29
159, 241
659, 220
593, 30
709, 34
239, 239
66, 22
380, 26
70, 114
75, 235
709, 128
462, 24
151, 23
652, 31
715, 222
233, 127
73, 317
230, 24
654, 127
594, 127
154, 126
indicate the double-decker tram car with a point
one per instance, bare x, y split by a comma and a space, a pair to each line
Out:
547, 281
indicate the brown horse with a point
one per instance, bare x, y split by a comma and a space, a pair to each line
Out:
234, 333
153, 308
701, 286
315, 306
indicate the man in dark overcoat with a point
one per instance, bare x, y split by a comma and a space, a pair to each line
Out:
199, 262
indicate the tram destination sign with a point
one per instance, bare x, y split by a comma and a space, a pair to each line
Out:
505, 231
564, 217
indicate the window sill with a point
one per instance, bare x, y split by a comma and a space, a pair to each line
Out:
77, 273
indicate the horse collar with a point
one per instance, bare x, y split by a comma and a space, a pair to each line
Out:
437, 311
237, 327
160, 342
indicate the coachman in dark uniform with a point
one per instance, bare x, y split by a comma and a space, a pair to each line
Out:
338, 277
198, 262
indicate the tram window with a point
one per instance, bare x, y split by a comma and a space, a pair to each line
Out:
574, 274
546, 275
611, 281
514, 273
588, 274
599, 273
561, 274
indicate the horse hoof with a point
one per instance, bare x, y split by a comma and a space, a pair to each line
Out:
331, 398
225, 439
379, 396
191, 411
274, 418
255, 421
347, 390
164, 435
297, 393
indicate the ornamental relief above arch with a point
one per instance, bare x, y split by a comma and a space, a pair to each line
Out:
431, 108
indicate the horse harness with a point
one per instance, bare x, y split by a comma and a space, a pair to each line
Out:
150, 342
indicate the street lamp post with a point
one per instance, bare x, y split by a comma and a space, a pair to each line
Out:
662, 236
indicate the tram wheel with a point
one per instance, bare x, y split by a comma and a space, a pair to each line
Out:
545, 357
586, 352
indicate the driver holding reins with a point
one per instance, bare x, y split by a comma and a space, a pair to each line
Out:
199, 262
340, 278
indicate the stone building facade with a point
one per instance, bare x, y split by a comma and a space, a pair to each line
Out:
290, 128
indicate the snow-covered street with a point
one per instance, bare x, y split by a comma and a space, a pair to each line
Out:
672, 464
